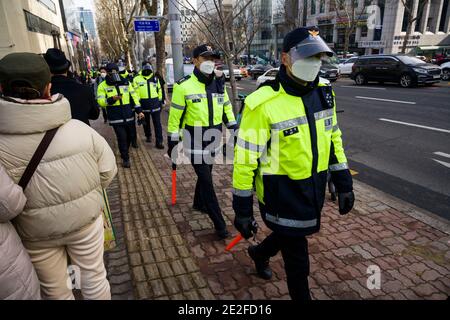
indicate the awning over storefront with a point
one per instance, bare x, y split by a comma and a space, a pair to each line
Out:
425, 48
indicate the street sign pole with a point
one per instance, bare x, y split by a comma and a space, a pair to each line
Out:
175, 34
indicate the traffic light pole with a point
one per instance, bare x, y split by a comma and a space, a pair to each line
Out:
175, 34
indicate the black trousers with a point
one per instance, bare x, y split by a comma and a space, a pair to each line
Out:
125, 134
156, 119
205, 196
296, 261
132, 125
105, 117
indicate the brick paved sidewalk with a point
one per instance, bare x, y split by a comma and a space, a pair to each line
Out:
173, 252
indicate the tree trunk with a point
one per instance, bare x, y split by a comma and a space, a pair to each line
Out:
346, 43
408, 33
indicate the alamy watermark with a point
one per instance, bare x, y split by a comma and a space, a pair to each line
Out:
374, 280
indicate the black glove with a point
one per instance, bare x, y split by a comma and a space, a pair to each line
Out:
247, 226
171, 144
244, 221
110, 100
346, 201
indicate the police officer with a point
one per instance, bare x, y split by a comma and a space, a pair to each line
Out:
101, 76
199, 106
149, 89
288, 139
127, 77
116, 95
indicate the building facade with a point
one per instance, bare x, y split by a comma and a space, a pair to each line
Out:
381, 26
31, 26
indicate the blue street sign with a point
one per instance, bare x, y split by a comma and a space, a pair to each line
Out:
146, 25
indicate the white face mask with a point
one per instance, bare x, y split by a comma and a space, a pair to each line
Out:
103, 75
306, 69
207, 67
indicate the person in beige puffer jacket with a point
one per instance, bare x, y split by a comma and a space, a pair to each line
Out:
63, 214
18, 280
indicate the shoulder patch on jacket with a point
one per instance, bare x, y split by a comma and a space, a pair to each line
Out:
261, 95
327, 95
183, 79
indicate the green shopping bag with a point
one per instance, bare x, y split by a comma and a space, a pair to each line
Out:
110, 236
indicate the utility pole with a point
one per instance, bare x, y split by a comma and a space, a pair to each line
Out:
175, 35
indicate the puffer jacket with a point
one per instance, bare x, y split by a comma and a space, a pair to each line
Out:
18, 280
65, 193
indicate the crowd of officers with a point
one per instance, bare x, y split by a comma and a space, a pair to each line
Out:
287, 144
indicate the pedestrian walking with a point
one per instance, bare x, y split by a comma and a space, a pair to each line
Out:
199, 106
288, 140
101, 76
81, 97
63, 213
18, 279
150, 91
127, 77
117, 95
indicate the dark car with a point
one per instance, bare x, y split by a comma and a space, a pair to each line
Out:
257, 70
329, 71
406, 70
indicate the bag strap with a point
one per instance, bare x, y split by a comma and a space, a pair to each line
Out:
37, 157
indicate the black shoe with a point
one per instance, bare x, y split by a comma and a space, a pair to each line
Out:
261, 264
126, 164
148, 139
134, 145
223, 234
159, 146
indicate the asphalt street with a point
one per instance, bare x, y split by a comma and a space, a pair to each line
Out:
396, 139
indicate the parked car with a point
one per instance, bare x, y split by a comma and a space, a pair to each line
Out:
268, 75
226, 72
445, 71
258, 70
329, 71
187, 69
345, 67
406, 70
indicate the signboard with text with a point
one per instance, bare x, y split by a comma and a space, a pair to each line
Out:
146, 25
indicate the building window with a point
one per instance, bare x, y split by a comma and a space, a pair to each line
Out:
266, 34
322, 6
419, 17
332, 5
37, 24
313, 6
443, 16
364, 31
406, 16
49, 4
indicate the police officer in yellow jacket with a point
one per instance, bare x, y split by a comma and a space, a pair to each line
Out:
150, 91
117, 95
199, 106
288, 140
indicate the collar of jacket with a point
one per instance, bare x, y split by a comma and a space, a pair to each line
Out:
202, 77
18, 116
293, 88
61, 78
121, 83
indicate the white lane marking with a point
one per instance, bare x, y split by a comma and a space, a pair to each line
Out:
442, 154
358, 87
237, 87
386, 100
415, 125
445, 164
